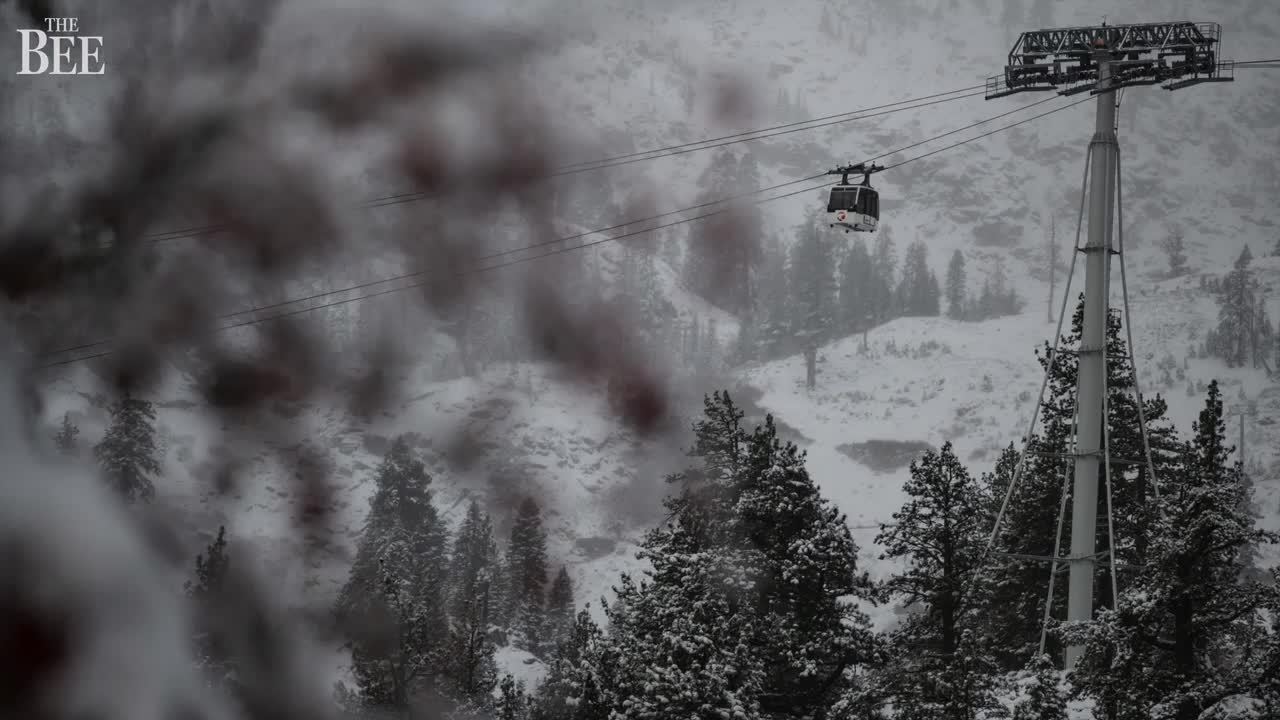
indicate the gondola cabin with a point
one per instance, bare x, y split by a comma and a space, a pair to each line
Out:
856, 208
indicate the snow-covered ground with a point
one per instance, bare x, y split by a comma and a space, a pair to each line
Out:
920, 380
1200, 161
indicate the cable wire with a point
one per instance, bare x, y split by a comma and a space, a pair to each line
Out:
775, 127
562, 250
621, 225
655, 153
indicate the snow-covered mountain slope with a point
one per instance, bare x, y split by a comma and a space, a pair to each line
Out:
1201, 161
921, 381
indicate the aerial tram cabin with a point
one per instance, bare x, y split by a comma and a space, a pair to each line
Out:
856, 208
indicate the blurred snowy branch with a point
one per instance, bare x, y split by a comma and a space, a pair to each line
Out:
235, 115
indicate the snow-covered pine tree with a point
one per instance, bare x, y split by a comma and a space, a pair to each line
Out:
1031, 519
65, 440
1045, 699
708, 357
1236, 312
956, 292
940, 533
807, 580
681, 641
527, 563
771, 314
469, 660
1175, 250
512, 702
917, 291
721, 253
693, 338
206, 593
127, 452
932, 295
393, 602
652, 306
575, 687
855, 286
500, 602
560, 611
884, 265
984, 306
813, 295
1186, 623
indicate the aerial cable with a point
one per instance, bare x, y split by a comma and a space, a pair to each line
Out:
637, 221
416, 196
556, 251
469, 271
775, 127
574, 171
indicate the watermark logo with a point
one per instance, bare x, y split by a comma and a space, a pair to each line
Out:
60, 49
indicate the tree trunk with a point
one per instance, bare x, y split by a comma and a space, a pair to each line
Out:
811, 367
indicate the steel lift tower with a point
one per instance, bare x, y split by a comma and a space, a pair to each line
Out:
1101, 60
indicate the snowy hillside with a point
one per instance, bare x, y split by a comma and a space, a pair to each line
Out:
921, 382
1200, 161
993, 197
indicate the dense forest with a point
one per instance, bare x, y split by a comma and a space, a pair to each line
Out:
753, 606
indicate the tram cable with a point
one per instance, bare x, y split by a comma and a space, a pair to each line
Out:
573, 248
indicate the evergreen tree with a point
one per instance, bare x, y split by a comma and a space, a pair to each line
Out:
917, 292
527, 558
940, 532
500, 597
681, 641
1175, 249
745, 611
985, 306
513, 701
575, 684
470, 658
884, 264
723, 251
1182, 635
127, 452
394, 601
813, 300
65, 440
956, 291
805, 573
1236, 303
708, 357
1045, 699
559, 610
771, 314
638, 286
856, 282
1031, 518
207, 594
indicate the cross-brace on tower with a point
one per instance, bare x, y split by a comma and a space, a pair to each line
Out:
1100, 60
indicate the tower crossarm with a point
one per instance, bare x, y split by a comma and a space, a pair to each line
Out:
1065, 59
